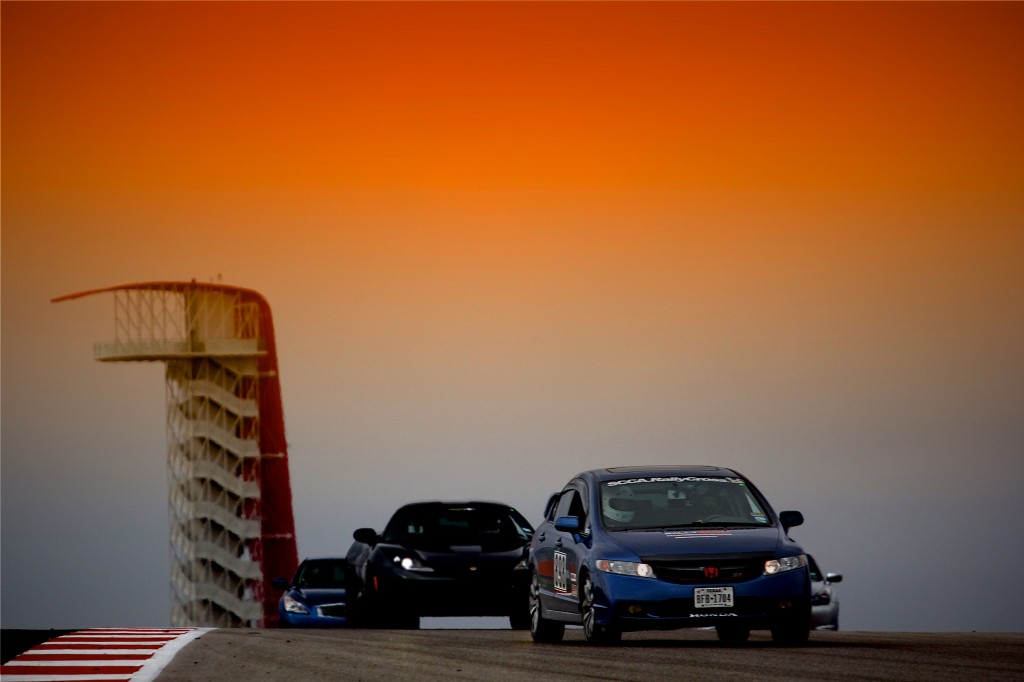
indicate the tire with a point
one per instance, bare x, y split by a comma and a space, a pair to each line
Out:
519, 609
541, 629
792, 630
601, 635
391, 617
403, 621
732, 634
520, 620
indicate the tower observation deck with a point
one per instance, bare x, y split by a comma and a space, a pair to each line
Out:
230, 507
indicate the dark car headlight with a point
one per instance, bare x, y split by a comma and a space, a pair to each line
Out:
293, 605
783, 564
408, 562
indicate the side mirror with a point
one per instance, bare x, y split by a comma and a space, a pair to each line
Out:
789, 519
280, 583
834, 577
367, 536
568, 524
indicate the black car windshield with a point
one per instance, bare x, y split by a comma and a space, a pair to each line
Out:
321, 573
679, 502
431, 526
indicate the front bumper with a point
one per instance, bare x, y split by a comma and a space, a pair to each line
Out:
430, 594
631, 603
287, 619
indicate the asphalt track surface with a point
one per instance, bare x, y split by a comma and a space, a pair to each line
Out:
508, 656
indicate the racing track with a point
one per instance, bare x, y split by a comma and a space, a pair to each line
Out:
508, 656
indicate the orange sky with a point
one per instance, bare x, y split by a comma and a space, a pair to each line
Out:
611, 96
504, 238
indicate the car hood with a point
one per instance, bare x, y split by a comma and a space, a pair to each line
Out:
470, 554
701, 541
316, 597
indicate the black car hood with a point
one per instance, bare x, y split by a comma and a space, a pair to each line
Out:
460, 554
702, 541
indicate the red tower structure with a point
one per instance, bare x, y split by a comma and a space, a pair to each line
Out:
230, 505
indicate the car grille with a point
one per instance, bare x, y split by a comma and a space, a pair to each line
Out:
464, 570
332, 610
708, 569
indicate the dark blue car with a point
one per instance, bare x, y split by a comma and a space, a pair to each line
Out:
316, 595
658, 548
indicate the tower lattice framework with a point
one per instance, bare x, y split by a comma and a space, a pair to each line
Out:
231, 525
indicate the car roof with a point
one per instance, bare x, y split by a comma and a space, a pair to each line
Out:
616, 473
457, 503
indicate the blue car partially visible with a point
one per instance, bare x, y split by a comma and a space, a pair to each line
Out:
316, 595
659, 548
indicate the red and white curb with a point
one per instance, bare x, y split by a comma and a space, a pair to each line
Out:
100, 655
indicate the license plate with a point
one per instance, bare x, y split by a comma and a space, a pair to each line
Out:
713, 597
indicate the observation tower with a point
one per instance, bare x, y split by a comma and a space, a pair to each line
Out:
232, 529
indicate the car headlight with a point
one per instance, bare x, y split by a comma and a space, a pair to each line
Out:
410, 563
787, 563
292, 605
633, 568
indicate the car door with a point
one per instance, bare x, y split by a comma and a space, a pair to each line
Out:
567, 550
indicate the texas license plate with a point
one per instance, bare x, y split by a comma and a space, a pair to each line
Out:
713, 597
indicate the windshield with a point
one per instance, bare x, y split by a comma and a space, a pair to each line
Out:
322, 574
438, 527
679, 502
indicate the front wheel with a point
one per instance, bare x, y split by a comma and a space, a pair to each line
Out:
401, 620
732, 634
541, 629
521, 616
792, 630
594, 632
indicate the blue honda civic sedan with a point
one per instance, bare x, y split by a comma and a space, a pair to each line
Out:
659, 548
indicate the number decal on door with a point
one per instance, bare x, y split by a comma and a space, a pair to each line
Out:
561, 572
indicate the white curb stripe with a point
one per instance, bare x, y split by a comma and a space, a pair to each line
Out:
152, 667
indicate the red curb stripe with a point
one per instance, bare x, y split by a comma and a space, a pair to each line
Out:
137, 647
126, 678
181, 630
55, 670
83, 656
111, 640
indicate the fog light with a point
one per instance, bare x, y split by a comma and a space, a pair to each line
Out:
634, 610
785, 604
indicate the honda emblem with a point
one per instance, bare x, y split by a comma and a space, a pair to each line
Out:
710, 572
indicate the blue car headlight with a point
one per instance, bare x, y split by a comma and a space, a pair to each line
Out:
787, 563
293, 605
633, 568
